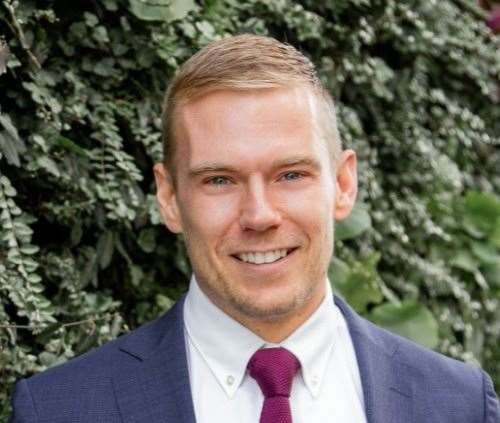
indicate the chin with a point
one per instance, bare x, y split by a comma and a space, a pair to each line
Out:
266, 312
269, 306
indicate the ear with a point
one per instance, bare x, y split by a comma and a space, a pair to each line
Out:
346, 184
167, 198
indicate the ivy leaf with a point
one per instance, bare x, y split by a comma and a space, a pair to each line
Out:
7, 124
105, 248
409, 319
463, 259
486, 253
48, 333
161, 10
9, 149
10, 143
495, 234
358, 222
163, 302
481, 210
71, 146
147, 240
49, 165
49, 359
357, 283
491, 273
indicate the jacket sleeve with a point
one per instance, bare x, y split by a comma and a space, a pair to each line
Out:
491, 405
22, 404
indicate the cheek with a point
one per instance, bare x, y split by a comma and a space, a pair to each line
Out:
208, 218
312, 209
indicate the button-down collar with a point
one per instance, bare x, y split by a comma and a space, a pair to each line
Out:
227, 346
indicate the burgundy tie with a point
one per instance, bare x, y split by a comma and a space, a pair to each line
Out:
274, 369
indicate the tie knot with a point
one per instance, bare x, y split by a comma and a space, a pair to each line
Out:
274, 369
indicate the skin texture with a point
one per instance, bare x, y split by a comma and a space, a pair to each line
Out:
254, 174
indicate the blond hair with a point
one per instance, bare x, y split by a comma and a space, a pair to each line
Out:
244, 63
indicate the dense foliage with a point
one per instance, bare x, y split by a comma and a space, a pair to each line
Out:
83, 253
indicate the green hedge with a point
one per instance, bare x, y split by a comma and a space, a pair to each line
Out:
83, 253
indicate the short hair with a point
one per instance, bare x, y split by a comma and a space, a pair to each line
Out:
244, 62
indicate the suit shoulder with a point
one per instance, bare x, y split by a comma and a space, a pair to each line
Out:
97, 364
435, 367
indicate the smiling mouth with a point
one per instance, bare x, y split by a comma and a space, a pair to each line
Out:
266, 257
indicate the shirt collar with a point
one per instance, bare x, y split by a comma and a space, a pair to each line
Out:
211, 331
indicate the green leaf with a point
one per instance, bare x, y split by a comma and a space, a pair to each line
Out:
29, 249
355, 224
494, 237
76, 233
11, 148
485, 253
116, 326
48, 333
49, 165
105, 248
163, 302
161, 10
110, 5
136, 274
7, 124
358, 283
49, 359
147, 240
481, 210
463, 259
71, 146
410, 319
491, 273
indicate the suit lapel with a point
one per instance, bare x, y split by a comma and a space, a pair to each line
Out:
387, 381
152, 382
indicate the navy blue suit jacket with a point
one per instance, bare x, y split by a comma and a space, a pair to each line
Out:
142, 377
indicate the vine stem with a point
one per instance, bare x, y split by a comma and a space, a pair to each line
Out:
64, 325
20, 34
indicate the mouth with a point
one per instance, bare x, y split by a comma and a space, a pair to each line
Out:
260, 258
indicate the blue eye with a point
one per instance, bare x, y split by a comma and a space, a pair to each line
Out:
218, 181
291, 176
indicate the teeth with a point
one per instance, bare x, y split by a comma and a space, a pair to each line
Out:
260, 258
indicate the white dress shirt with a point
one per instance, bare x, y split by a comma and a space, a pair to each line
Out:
327, 388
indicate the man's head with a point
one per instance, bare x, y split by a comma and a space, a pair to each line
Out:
254, 178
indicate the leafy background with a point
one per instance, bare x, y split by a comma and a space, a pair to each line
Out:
84, 256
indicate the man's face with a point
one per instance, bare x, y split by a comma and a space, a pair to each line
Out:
255, 200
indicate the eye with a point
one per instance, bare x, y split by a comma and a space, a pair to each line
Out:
217, 181
291, 176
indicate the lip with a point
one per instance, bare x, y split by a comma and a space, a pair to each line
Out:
264, 251
267, 268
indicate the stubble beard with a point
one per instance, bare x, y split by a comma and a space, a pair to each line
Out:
244, 308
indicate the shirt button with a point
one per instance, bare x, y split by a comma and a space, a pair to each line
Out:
315, 380
230, 380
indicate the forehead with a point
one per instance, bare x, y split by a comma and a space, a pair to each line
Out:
240, 126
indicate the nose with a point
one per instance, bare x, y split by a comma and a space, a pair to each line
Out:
258, 212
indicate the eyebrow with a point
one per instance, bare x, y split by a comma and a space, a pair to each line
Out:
214, 167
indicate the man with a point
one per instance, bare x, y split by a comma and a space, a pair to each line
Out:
254, 177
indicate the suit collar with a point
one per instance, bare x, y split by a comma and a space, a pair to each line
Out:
386, 379
152, 383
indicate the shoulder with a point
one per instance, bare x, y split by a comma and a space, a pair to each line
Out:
443, 380
424, 362
408, 367
87, 380
431, 366
99, 362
